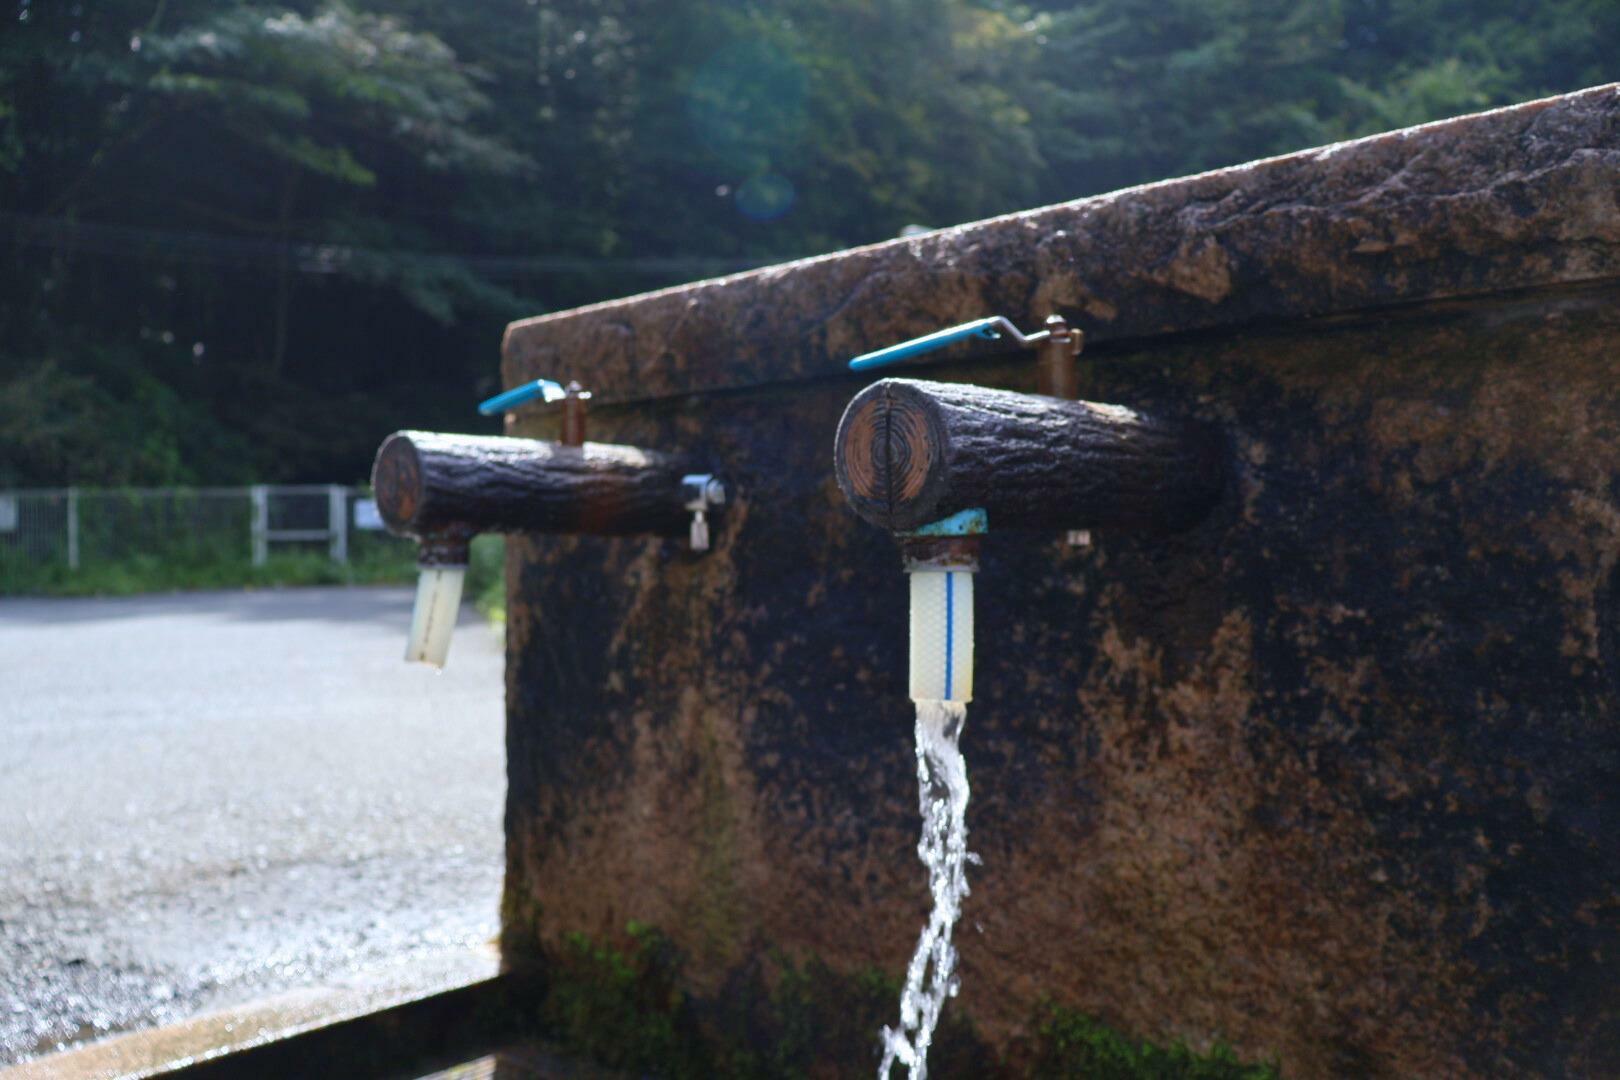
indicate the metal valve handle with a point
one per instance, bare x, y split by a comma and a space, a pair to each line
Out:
990, 329
508, 400
701, 492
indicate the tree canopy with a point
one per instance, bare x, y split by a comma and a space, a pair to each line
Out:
244, 240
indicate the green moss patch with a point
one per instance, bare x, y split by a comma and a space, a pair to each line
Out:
1071, 1044
623, 1005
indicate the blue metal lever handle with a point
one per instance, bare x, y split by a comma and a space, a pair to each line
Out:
990, 329
980, 328
511, 399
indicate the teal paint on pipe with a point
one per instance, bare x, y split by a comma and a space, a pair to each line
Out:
962, 523
511, 399
988, 329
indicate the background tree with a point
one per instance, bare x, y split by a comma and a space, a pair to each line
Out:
242, 241
217, 257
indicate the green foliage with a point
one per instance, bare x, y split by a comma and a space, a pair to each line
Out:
1176, 86
49, 423
247, 240
106, 415
1140, 90
486, 576
317, 92
287, 312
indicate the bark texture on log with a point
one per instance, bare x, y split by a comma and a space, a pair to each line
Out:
910, 452
427, 483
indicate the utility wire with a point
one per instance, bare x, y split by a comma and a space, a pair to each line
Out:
213, 249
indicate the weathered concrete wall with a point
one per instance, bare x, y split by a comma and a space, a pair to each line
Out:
1508, 199
1335, 776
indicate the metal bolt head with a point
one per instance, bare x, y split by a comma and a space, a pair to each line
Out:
1060, 330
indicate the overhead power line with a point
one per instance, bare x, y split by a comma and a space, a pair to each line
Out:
214, 249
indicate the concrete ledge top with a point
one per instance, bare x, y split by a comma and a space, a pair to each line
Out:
1515, 198
176, 1047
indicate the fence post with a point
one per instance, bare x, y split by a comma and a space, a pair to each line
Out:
73, 527
260, 494
337, 521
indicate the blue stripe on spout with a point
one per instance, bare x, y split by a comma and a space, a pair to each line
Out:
950, 619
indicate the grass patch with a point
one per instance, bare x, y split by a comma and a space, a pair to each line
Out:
373, 564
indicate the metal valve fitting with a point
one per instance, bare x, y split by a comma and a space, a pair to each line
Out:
700, 493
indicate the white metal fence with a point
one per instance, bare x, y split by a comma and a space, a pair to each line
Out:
74, 527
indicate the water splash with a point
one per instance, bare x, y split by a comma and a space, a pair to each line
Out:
942, 791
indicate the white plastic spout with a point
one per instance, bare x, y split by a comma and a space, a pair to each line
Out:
438, 600
942, 635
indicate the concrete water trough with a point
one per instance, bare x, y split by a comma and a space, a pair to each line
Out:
1327, 773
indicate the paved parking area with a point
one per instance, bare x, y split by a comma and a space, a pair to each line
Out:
209, 797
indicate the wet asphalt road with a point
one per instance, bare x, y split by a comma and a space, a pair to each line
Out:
206, 798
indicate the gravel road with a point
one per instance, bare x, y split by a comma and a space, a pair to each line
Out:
208, 797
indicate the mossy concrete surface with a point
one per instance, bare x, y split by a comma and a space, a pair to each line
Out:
1330, 778
621, 1004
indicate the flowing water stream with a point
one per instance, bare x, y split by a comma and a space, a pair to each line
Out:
942, 786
